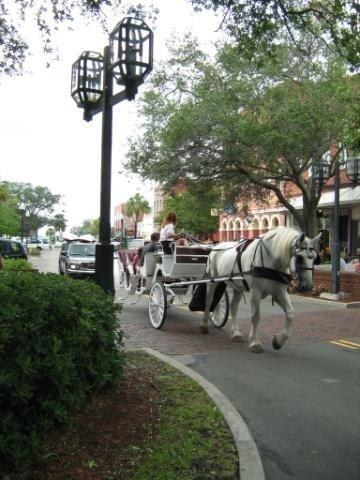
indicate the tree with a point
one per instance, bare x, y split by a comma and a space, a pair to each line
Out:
58, 222
50, 233
49, 14
257, 25
3, 192
190, 219
136, 206
247, 130
39, 203
87, 227
10, 220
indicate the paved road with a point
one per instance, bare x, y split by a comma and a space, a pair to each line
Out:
301, 403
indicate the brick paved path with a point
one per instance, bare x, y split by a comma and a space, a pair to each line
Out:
181, 335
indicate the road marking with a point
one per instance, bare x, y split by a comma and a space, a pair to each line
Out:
350, 343
345, 343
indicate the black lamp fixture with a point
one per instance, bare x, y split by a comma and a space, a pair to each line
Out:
87, 80
353, 169
131, 54
126, 61
321, 172
322, 169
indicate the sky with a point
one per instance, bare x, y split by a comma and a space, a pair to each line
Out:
44, 139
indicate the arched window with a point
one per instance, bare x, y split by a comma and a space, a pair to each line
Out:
255, 227
275, 222
230, 235
237, 233
265, 225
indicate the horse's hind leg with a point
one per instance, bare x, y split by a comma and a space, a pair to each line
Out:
254, 341
285, 303
236, 335
204, 324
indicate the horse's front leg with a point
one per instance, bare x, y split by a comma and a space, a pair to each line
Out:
236, 335
204, 324
254, 341
285, 303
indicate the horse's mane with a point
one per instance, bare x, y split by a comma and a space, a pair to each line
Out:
282, 240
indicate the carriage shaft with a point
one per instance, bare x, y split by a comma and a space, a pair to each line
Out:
205, 280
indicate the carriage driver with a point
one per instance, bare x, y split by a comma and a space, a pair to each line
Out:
168, 235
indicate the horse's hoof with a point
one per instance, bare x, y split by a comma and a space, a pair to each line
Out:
238, 338
276, 345
257, 348
204, 329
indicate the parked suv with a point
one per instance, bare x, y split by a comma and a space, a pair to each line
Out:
39, 243
77, 259
12, 249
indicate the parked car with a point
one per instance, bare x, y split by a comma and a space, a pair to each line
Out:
77, 259
40, 243
12, 249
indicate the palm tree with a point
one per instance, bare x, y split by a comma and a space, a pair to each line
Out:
135, 206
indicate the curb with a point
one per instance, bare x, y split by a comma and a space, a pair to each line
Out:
320, 301
250, 465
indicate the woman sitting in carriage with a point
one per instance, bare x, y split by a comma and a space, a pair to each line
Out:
168, 235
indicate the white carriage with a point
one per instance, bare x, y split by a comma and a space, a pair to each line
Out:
166, 278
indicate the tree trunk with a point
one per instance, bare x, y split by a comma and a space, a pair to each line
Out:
309, 215
135, 228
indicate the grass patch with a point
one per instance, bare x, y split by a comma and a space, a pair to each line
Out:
191, 440
155, 424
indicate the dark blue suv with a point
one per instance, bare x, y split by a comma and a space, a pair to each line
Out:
12, 249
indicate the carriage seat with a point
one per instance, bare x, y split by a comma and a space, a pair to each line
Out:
187, 261
148, 269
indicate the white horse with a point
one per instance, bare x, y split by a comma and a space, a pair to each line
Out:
267, 265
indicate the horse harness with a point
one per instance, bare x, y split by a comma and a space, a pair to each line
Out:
266, 272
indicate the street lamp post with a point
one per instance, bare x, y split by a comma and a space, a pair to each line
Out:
321, 172
22, 211
127, 60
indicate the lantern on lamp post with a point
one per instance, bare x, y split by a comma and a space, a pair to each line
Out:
127, 60
353, 168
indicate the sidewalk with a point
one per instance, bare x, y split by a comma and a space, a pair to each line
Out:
315, 321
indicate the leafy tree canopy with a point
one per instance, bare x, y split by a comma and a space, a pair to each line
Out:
192, 209
87, 227
58, 222
48, 15
257, 25
3, 192
37, 203
9, 218
246, 129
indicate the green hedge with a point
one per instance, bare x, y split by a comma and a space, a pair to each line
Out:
58, 342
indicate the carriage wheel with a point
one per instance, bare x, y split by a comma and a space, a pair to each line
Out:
221, 312
157, 305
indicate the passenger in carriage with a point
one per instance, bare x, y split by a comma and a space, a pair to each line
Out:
137, 260
168, 235
152, 246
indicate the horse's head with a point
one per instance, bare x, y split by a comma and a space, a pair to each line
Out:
304, 257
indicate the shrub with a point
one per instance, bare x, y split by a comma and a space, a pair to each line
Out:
34, 251
58, 342
11, 264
